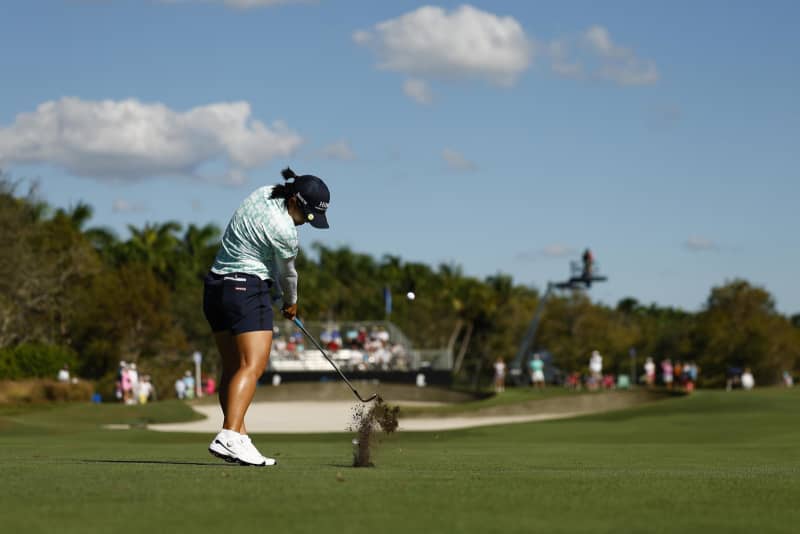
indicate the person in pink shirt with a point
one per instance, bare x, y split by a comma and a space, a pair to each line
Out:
666, 372
210, 386
127, 386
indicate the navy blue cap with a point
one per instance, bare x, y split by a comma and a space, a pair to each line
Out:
313, 198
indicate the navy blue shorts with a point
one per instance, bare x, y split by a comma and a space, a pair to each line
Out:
237, 302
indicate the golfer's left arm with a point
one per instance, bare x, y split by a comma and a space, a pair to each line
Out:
288, 282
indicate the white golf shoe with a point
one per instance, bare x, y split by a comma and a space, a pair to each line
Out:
267, 460
234, 447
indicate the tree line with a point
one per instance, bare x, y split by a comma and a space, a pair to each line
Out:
94, 299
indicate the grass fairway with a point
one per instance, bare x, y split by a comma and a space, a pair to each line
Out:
712, 462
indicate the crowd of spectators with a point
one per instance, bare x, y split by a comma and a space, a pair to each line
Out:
743, 378
133, 387
676, 374
186, 386
671, 375
354, 347
597, 378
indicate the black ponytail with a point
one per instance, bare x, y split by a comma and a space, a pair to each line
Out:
284, 191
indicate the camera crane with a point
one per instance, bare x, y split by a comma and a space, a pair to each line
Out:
582, 275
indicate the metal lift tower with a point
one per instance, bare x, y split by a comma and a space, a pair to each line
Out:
582, 276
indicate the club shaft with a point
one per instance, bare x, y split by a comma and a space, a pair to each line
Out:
319, 347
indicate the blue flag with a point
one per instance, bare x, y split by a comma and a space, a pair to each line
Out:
387, 300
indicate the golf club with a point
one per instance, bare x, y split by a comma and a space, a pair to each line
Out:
299, 324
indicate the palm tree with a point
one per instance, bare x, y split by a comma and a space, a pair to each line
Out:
199, 246
77, 215
156, 246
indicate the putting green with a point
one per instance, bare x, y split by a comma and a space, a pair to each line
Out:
710, 462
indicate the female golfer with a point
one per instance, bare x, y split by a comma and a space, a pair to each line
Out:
258, 249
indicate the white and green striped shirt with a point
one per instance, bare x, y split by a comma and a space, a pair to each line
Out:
261, 239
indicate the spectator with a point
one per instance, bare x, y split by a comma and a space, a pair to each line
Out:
649, 372
325, 337
362, 337
383, 335
691, 373
733, 378
574, 381
133, 375
592, 382
588, 263
623, 381
180, 388
334, 341
210, 386
188, 379
666, 372
537, 371
596, 365
352, 338
421, 380
677, 372
788, 380
63, 374
145, 389
127, 386
499, 375
748, 381
609, 382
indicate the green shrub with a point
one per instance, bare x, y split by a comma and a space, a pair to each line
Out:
107, 387
34, 360
8, 364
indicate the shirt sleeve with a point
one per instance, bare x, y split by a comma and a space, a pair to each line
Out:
285, 245
288, 279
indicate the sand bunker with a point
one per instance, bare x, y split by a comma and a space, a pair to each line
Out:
335, 416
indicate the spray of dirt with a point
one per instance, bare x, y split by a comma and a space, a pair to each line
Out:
366, 422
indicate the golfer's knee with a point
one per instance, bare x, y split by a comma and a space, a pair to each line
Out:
256, 365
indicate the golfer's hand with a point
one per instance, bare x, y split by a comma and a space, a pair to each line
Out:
290, 311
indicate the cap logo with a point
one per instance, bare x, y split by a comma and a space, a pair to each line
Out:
322, 205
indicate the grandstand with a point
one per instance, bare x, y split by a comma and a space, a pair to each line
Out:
365, 349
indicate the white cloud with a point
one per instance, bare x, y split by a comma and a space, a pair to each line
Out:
593, 54
340, 150
554, 250
361, 37
418, 91
466, 43
456, 161
698, 244
129, 139
123, 206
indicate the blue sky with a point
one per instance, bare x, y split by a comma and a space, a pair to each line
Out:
503, 136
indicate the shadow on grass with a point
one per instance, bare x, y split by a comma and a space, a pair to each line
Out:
159, 462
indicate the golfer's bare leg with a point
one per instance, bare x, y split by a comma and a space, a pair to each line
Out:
253, 350
230, 364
